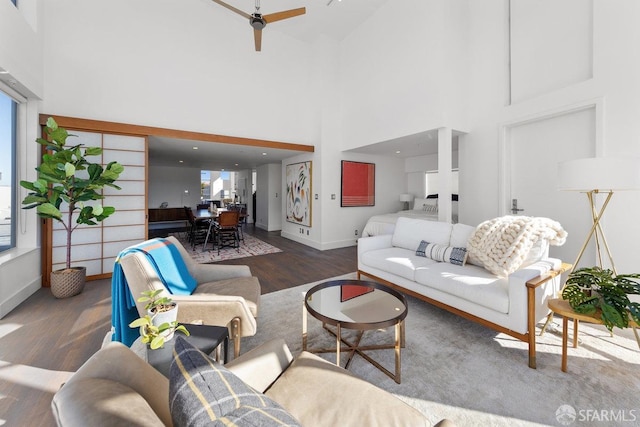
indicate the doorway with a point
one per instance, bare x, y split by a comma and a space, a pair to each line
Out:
531, 151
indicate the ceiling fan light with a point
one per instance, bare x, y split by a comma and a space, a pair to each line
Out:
257, 22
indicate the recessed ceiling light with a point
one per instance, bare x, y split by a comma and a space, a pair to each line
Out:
195, 148
264, 154
180, 161
398, 152
236, 164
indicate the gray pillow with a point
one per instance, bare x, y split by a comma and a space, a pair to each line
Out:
203, 392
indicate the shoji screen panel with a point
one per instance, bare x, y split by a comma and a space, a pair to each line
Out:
97, 246
127, 225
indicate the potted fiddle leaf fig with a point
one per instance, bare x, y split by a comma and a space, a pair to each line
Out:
592, 289
67, 185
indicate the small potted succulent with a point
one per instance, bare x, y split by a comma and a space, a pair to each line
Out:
592, 289
159, 324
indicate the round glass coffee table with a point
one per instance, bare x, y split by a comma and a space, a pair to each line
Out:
358, 305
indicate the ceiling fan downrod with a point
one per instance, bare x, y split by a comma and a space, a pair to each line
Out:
256, 21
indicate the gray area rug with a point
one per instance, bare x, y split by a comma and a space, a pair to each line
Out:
453, 368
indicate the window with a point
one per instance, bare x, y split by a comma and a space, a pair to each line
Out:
431, 182
8, 109
215, 185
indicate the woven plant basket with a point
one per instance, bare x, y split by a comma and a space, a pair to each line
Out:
68, 282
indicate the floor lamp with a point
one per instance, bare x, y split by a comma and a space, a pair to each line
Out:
598, 175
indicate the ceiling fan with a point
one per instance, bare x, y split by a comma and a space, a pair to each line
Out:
259, 21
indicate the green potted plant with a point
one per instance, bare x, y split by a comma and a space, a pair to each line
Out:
591, 289
161, 309
159, 324
65, 176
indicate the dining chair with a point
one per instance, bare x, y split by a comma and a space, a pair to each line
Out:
226, 229
242, 211
199, 228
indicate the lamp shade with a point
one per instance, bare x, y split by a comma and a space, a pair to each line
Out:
599, 173
406, 197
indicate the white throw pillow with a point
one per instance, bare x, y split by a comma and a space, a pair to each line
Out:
419, 204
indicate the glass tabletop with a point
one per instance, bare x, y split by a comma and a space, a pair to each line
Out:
356, 304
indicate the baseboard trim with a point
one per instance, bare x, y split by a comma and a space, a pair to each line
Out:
19, 297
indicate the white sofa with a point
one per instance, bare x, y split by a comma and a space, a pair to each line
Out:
512, 304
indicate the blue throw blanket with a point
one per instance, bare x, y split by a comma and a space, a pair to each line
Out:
172, 270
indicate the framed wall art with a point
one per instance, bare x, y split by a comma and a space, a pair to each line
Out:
358, 184
298, 176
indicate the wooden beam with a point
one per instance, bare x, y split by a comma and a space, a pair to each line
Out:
130, 129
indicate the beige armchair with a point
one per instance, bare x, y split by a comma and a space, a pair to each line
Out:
226, 295
115, 387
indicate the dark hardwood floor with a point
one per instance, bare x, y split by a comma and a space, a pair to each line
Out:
44, 339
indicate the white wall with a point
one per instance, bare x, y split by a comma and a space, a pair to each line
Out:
615, 81
269, 197
178, 186
21, 56
21, 46
402, 72
167, 64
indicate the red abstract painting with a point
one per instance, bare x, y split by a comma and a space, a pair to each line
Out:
358, 184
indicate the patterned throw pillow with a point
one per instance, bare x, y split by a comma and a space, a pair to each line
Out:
203, 392
442, 253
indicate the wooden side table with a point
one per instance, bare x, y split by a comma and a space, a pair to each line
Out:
562, 308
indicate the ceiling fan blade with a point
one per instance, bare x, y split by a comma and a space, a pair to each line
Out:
278, 16
228, 6
257, 37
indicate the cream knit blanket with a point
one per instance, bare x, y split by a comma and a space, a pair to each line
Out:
502, 244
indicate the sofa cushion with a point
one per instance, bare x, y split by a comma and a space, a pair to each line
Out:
245, 287
410, 231
103, 402
442, 253
203, 392
398, 261
471, 283
319, 393
460, 234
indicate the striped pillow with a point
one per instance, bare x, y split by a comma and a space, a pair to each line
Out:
442, 253
203, 392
